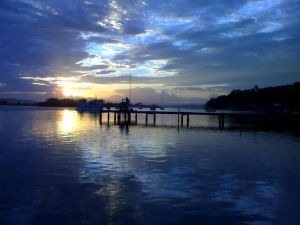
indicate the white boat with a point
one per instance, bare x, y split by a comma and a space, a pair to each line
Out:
90, 106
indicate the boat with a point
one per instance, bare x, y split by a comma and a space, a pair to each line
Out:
139, 105
90, 106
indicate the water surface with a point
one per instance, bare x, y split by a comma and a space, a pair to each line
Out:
61, 167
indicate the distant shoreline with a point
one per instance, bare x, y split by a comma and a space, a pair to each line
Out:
55, 102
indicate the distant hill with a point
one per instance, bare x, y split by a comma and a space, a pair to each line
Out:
284, 97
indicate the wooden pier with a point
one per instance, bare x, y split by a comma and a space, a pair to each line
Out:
183, 117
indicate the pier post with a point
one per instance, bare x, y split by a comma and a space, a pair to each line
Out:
118, 118
221, 121
181, 120
108, 118
115, 119
146, 119
135, 118
100, 118
187, 120
129, 118
154, 118
178, 118
125, 117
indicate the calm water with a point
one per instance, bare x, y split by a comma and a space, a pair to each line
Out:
59, 167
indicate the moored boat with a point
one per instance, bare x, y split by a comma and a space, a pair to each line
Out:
90, 106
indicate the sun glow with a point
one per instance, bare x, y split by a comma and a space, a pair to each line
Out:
67, 92
108, 92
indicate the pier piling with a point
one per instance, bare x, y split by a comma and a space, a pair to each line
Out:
129, 118
181, 120
178, 118
100, 119
221, 121
119, 118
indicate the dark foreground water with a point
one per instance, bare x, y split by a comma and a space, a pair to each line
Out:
58, 167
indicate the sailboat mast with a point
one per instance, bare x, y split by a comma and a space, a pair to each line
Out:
130, 88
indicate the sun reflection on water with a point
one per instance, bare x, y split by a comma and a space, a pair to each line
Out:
68, 122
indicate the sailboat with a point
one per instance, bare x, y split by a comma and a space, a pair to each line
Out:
162, 101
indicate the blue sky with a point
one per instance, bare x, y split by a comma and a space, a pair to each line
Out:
189, 50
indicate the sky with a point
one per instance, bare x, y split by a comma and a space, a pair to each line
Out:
181, 51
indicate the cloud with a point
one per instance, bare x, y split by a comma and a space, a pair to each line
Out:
180, 43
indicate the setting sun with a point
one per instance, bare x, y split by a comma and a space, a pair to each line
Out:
71, 93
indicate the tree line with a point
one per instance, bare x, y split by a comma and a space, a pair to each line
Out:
284, 97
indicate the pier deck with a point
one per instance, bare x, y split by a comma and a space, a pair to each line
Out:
130, 117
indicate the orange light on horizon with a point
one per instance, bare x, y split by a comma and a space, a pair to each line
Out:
100, 91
